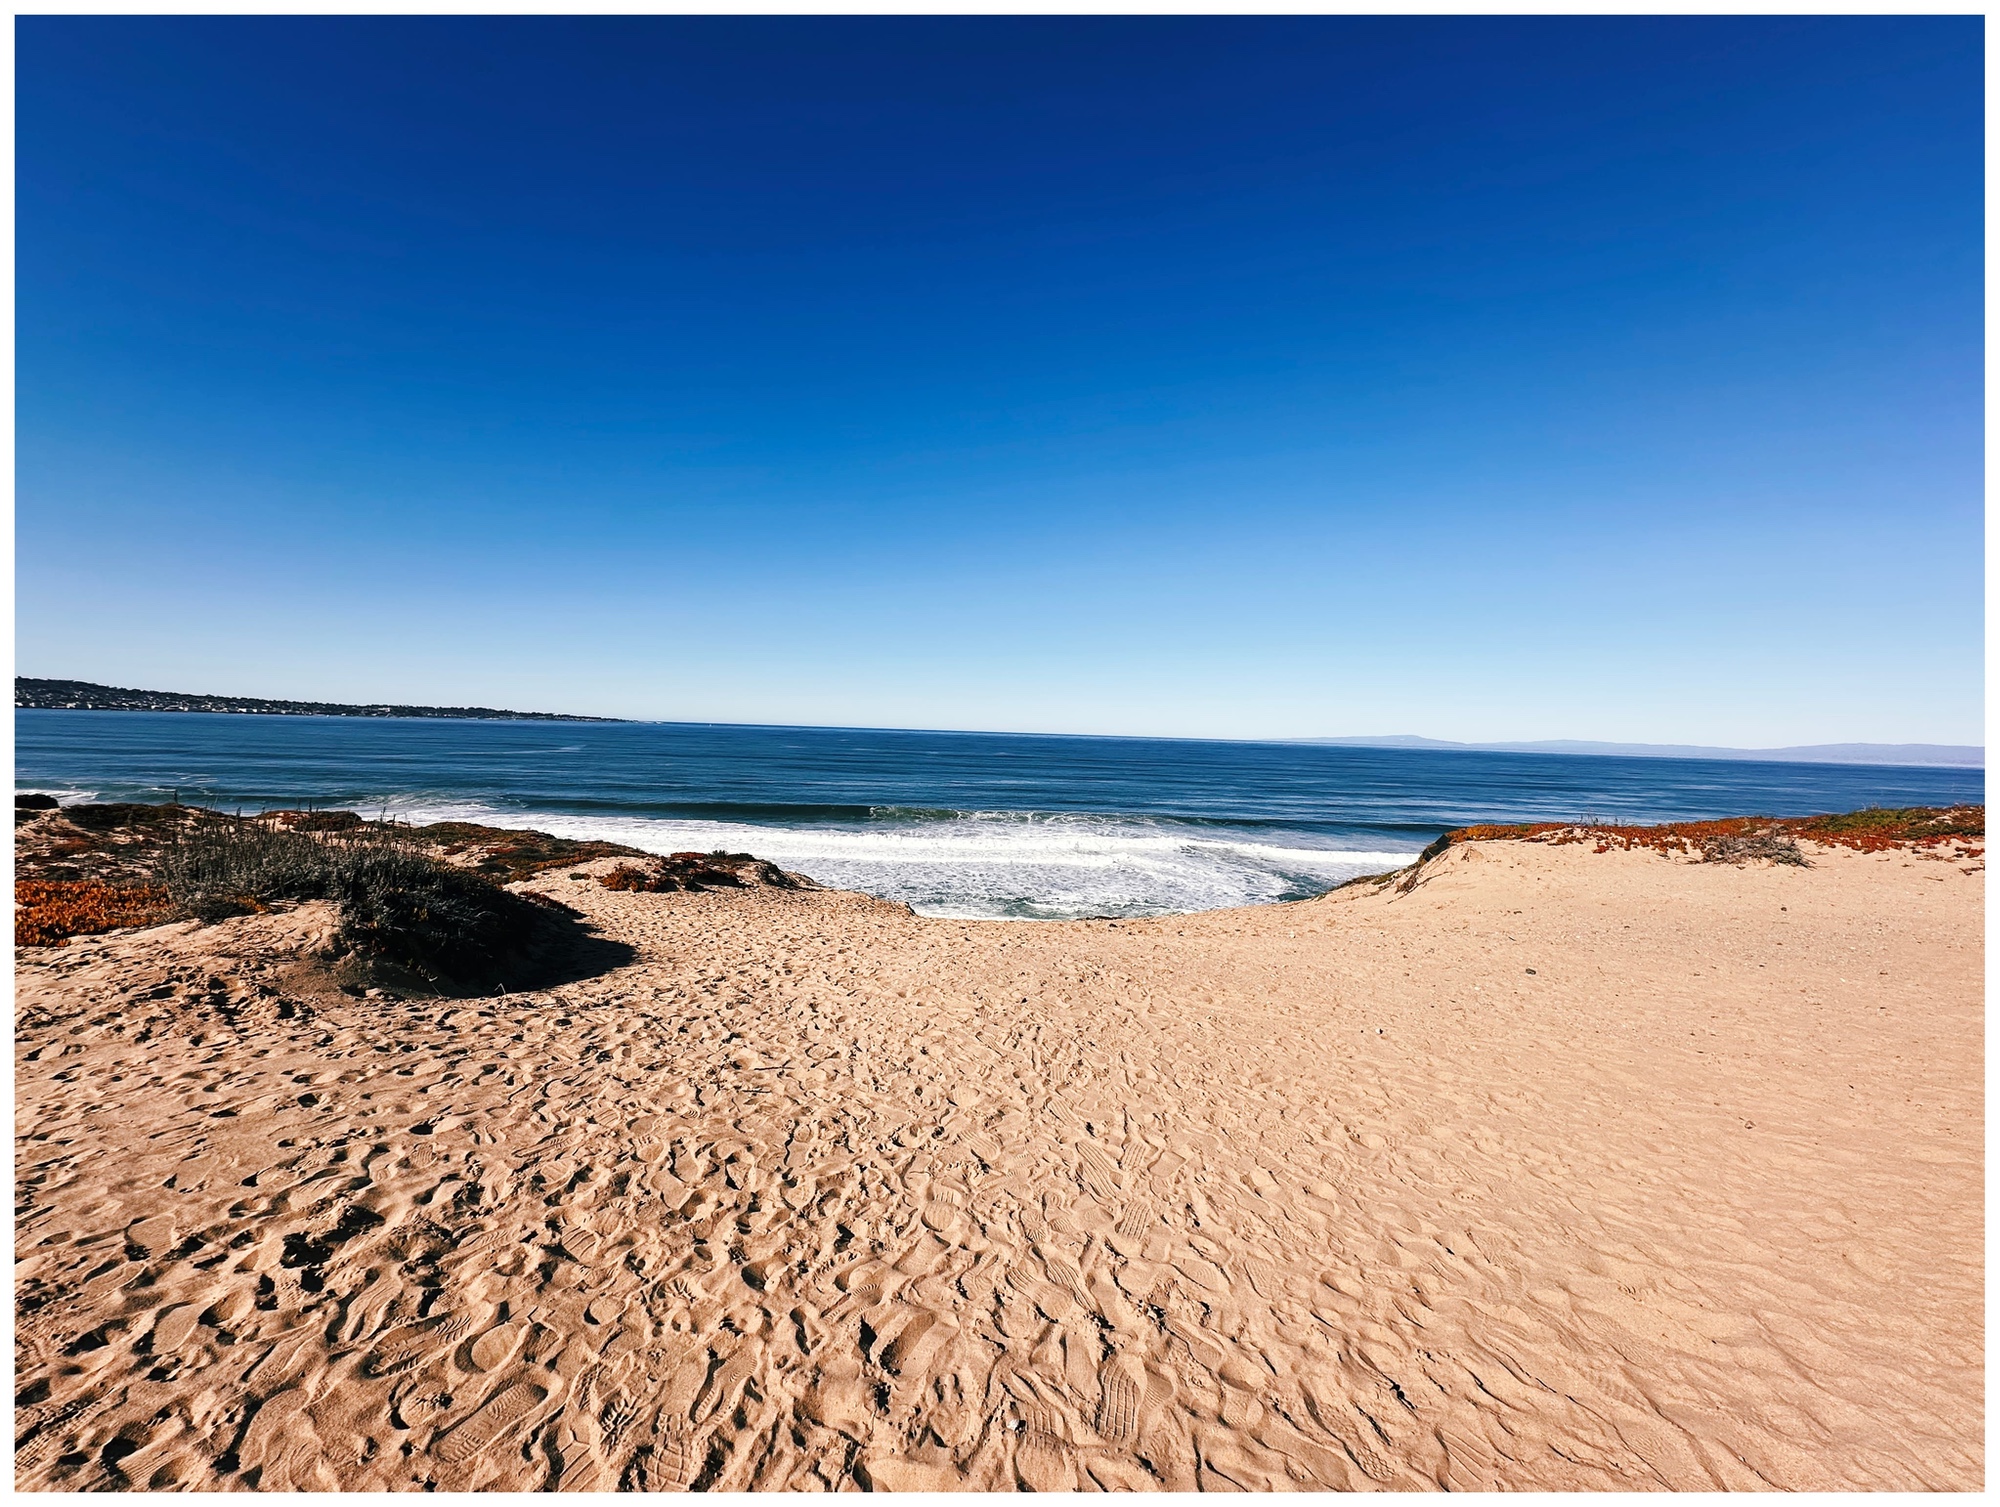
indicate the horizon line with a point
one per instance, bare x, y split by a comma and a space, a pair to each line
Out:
1401, 742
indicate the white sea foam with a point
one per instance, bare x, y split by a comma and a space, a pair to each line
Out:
985, 865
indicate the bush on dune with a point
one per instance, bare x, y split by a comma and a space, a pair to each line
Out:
111, 815
396, 901
701, 871
403, 905
225, 867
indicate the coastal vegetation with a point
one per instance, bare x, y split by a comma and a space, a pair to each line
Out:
505, 856
47, 912
408, 898
432, 899
699, 871
1737, 839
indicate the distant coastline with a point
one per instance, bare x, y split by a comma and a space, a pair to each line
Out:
84, 696
1915, 755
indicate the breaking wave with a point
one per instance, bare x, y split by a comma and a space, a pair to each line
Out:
985, 864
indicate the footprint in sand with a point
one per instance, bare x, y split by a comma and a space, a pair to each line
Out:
1204, 1274
1055, 1303
1066, 1274
1264, 1277
944, 1213
676, 1464
862, 1283
1354, 1432
300, 1468
1121, 1388
724, 1384
914, 1342
63, 1424
1240, 1410
1043, 1462
505, 1409
403, 1347
685, 1370
423, 1403
1098, 1168
274, 1426
41, 1336
616, 1416
491, 1350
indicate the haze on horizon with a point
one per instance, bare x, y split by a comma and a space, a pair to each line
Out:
1498, 379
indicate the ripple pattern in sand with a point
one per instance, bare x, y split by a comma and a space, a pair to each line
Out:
821, 1194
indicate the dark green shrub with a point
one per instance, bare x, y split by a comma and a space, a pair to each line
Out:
402, 905
110, 815
395, 901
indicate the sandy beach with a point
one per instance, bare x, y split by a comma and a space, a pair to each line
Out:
1553, 1169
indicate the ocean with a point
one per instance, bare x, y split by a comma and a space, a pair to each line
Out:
988, 825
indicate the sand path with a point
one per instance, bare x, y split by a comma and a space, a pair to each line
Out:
1563, 1170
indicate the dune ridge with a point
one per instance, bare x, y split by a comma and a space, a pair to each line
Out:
1548, 1168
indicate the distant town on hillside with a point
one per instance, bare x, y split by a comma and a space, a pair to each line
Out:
83, 696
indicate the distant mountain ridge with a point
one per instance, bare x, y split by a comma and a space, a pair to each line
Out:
83, 696
1951, 755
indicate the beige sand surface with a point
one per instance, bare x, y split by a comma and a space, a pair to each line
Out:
1561, 1170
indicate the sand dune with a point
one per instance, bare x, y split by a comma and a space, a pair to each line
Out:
1560, 1170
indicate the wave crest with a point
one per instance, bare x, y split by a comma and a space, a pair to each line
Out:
989, 865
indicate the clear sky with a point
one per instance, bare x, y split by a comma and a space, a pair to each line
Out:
1247, 378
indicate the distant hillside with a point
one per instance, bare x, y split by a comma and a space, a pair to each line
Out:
82, 696
1954, 755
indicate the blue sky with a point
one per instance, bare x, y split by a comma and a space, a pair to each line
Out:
1250, 378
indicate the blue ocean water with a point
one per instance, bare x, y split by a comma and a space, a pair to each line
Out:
956, 824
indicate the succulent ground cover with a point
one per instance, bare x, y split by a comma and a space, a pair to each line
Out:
1736, 839
47, 912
